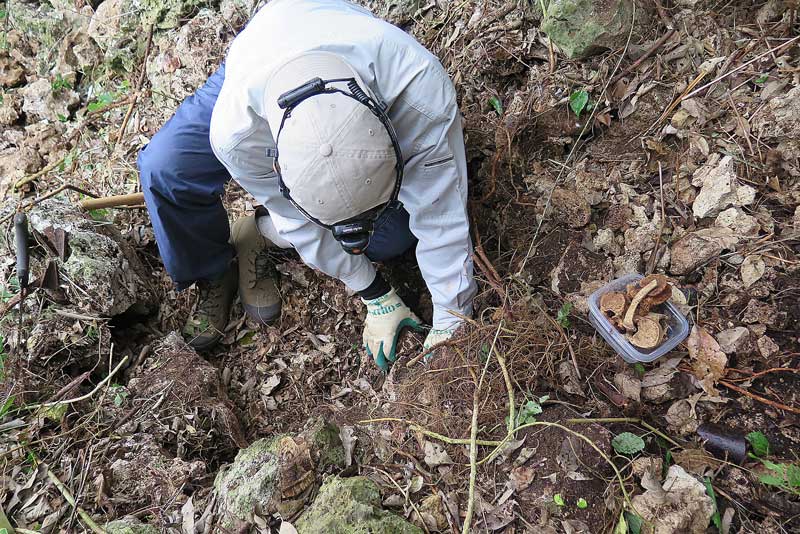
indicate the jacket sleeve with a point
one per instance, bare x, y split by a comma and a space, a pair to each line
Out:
435, 195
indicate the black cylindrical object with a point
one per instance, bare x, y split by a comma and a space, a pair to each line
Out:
724, 443
21, 241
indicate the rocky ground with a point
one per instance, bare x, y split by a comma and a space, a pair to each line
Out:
604, 138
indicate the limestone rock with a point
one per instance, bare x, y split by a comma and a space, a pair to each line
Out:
738, 221
583, 27
142, 472
130, 525
752, 269
604, 241
12, 73
781, 117
681, 505
696, 248
720, 188
17, 162
766, 347
353, 506
41, 101
758, 312
46, 24
182, 60
733, 339
277, 474
10, 108
98, 261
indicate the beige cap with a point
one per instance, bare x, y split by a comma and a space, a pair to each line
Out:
336, 157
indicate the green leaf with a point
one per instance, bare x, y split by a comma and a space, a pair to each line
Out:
793, 475
635, 523
62, 118
627, 443
496, 104
578, 101
563, 314
771, 480
582, 504
100, 214
761, 80
559, 500
102, 100
759, 443
716, 518
622, 525
639, 369
6, 407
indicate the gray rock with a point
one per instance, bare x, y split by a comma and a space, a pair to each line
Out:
780, 119
277, 475
738, 221
720, 187
696, 248
130, 525
733, 339
182, 60
351, 506
584, 27
766, 347
41, 101
103, 274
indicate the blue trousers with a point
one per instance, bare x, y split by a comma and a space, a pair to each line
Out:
183, 183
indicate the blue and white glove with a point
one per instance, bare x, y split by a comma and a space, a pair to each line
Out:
386, 318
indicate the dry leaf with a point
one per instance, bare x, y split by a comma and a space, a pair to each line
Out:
287, 528
269, 385
708, 361
522, 477
752, 269
436, 455
348, 443
187, 514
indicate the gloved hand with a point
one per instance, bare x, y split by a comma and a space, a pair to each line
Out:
386, 317
436, 336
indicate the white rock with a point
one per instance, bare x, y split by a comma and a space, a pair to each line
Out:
604, 241
752, 269
719, 188
41, 102
738, 221
767, 347
733, 339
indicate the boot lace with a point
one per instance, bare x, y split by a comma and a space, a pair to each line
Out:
261, 266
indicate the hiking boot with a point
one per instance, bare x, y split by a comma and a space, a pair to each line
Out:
257, 274
206, 325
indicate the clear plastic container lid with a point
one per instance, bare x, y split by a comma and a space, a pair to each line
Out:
676, 330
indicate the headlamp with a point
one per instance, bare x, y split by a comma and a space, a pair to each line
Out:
352, 234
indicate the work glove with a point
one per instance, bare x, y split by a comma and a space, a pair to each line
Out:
386, 318
436, 336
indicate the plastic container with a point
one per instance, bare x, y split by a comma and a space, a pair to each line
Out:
677, 325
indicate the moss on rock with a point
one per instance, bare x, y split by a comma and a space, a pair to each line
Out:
277, 474
351, 506
584, 27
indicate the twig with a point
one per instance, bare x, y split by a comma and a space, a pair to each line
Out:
71, 500
422, 430
35, 175
740, 67
566, 340
760, 373
405, 495
761, 399
650, 51
82, 397
51, 194
473, 438
139, 83
78, 316
512, 409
